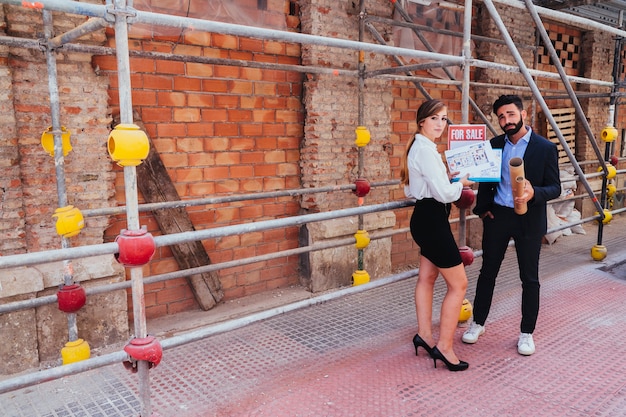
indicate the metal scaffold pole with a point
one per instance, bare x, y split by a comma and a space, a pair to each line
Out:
132, 201
537, 94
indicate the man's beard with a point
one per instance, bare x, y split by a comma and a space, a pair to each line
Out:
513, 130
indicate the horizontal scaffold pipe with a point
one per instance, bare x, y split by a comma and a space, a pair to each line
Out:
45, 375
385, 74
35, 258
100, 289
230, 199
501, 67
181, 22
211, 330
393, 22
95, 10
106, 50
567, 18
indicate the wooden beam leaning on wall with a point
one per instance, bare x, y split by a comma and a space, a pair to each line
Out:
156, 186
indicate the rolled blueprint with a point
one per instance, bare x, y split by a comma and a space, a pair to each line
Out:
516, 168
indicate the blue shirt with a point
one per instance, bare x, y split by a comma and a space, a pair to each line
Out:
504, 191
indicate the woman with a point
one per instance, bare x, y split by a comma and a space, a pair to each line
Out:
425, 178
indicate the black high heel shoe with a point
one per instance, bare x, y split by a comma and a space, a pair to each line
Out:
418, 341
436, 354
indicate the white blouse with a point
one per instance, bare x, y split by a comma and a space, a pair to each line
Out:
428, 177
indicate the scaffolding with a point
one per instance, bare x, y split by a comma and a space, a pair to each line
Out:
119, 14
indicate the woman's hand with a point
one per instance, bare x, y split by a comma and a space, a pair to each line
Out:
452, 175
466, 181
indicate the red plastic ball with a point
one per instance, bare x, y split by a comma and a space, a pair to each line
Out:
467, 255
467, 198
71, 298
362, 187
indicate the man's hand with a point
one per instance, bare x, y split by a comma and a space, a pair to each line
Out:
527, 195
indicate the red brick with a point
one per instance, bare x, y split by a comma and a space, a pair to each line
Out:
196, 37
153, 114
187, 84
229, 102
171, 99
228, 158
216, 144
187, 115
199, 70
157, 82
226, 129
248, 44
170, 67
213, 173
224, 41
200, 129
225, 71
171, 129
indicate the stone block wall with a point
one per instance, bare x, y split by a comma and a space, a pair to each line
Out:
329, 155
28, 193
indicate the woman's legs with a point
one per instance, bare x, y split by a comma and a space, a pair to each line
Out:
456, 280
424, 289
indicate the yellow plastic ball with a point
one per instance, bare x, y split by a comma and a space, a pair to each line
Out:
362, 136
611, 171
75, 351
611, 189
609, 134
608, 216
598, 252
362, 239
360, 277
466, 311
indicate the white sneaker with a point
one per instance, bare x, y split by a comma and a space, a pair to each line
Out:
472, 334
526, 345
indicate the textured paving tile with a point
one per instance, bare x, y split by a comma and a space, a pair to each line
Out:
353, 356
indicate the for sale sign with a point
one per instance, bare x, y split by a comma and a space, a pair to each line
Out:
462, 135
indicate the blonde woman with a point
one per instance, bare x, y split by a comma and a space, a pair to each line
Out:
426, 179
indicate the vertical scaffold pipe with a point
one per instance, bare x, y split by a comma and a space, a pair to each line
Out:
535, 89
132, 201
59, 164
465, 98
360, 276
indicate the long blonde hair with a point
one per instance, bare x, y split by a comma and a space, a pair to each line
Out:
427, 109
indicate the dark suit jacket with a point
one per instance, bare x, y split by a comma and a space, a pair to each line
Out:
541, 168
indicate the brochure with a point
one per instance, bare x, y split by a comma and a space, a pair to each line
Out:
479, 160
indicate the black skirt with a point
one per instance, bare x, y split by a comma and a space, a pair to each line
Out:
430, 229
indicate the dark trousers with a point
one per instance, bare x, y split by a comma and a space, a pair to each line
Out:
497, 232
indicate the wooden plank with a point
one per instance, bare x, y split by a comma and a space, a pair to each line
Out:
565, 119
156, 186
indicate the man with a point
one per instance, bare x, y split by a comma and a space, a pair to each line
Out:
494, 205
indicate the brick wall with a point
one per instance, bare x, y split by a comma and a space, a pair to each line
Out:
84, 112
226, 129
406, 100
220, 130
